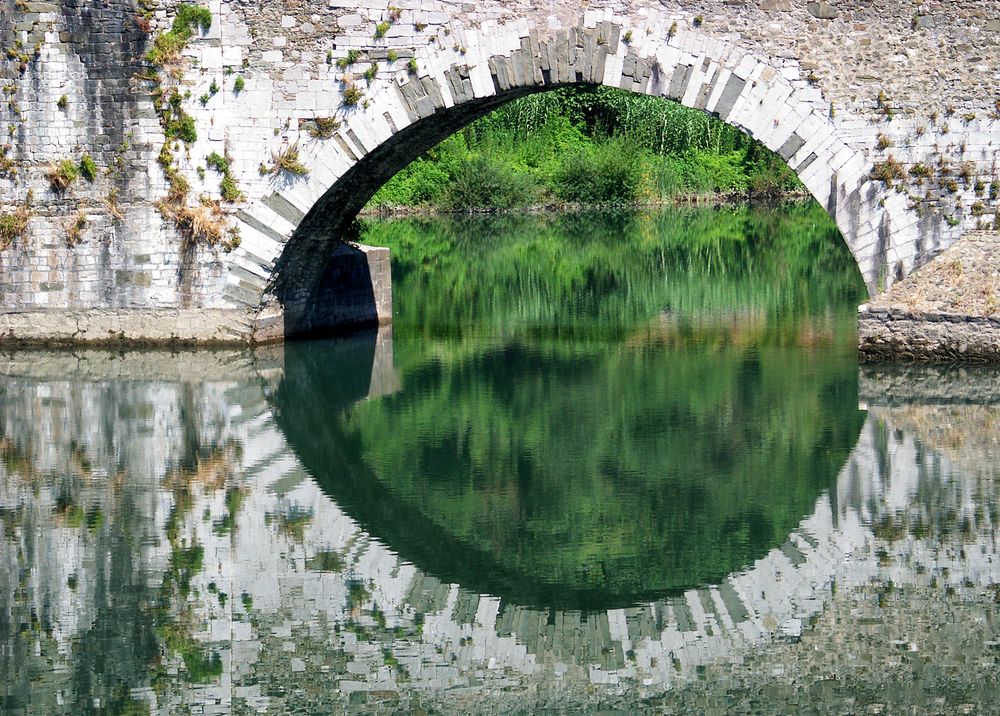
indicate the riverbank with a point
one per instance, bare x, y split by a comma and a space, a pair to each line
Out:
947, 311
720, 199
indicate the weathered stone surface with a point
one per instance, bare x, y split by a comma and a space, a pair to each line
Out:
949, 310
822, 10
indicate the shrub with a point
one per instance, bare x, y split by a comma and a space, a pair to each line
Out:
14, 225
62, 102
74, 232
88, 169
608, 173
217, 162
888, 171
182, 127
167, 47
352, 95
323, 127
483, 182
352, 56
238, 84
228, 188
381, 29
287, 160
62, 174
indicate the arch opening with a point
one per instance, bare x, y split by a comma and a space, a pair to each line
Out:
404, 120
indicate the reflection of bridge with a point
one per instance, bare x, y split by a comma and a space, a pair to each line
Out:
897, 140
315, 603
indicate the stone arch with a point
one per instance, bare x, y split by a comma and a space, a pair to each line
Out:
277, 273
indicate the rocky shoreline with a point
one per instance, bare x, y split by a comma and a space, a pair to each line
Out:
947, 311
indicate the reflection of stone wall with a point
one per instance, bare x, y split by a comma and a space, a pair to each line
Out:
82, 509
309, 612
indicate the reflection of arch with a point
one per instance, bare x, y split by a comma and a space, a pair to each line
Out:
369, 467
287, 235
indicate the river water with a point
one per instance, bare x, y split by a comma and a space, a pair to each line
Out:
607, 461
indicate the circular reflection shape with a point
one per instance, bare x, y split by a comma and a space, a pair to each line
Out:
570, 475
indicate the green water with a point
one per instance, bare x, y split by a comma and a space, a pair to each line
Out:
614, 463
593, 409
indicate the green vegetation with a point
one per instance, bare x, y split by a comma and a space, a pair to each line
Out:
167, 46
238, 84
287, 160
227, 186
352, 56
14, 224
705, 358
88, 169
61, 174
323, 127
588, 145
352, 95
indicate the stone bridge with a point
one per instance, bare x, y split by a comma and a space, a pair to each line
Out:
888, 111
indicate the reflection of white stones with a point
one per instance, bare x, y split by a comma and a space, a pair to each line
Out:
305, 607
469, 639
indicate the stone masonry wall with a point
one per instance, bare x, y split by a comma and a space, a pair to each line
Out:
844, 90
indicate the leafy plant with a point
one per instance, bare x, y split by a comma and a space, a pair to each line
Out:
88, 169
351, 95
61, 174
167, 46
14, 224
323, 127
888, 171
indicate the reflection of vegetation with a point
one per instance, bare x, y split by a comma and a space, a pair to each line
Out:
210, 467
678, 468
234, 500
357, 593
202, 666
605, 274
326, 562
292, 523
595, 406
